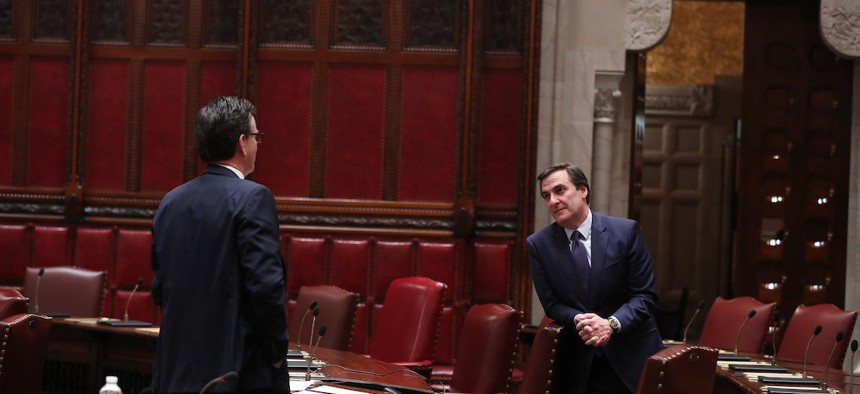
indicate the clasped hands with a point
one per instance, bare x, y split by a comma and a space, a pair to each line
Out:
593, 329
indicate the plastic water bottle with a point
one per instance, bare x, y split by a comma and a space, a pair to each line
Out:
110, 386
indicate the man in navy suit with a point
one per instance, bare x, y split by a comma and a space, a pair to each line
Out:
219, 273
593, 273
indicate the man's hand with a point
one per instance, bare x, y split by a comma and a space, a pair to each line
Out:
593, 329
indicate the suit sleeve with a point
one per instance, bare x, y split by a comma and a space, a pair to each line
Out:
264, 278
553, 305
641, 285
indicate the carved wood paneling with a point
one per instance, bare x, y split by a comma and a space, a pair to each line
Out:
143, 68
791, 232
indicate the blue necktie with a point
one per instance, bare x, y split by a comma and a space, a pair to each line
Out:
580, 259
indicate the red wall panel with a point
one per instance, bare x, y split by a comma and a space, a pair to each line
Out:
283, 113
13, 246
107, 129
50, 246
6, 77
354, 146
391, 260
491, 273
439, 261
49, 115
93, 248
428, 134
163, 126
217, 79
500, 141
305, 259
349, 265
133, 248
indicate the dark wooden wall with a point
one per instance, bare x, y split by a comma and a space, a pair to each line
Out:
399, 137
794, 160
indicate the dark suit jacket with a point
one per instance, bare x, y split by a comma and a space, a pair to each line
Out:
221, 285
621, 285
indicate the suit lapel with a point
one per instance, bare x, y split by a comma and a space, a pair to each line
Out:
599, 240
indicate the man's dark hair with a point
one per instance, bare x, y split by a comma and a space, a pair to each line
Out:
219, 125
577, 177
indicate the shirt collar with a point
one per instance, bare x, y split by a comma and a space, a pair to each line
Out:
584, 228
239, 173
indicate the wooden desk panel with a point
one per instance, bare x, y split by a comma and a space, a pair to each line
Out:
81, 353
729, 381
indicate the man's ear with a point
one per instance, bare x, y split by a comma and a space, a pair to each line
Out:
241, 144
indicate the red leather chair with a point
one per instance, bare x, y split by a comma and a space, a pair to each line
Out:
539, 369
71, 290
12, 303
486, 351
337, 313
24, 345
801, 327
408, 322
725, 319
681, 369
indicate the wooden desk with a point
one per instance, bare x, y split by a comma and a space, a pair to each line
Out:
729, 381
81, 353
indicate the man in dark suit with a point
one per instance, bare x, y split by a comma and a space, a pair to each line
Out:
219, 273
593, 273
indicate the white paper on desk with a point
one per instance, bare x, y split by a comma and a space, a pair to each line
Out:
799, 388
725, 364
301, 385
84, 320
756, 375
335, 390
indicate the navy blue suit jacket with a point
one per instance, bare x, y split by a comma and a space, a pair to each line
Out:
221, 285
621, 285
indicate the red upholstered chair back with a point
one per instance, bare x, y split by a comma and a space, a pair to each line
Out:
725, 319
485, 354
538, 375
408, 321
801, 327
24, 345
681, 369
337, 313
12, 303
71, 290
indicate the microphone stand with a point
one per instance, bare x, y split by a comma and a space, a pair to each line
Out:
302, 325
313, 351
738, 338
125, 322
808, 344
839, 336
316, 312
128, 301
698, 308
220, 379
851, 379
38, 283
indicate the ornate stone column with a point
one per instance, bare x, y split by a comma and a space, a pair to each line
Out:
605, 111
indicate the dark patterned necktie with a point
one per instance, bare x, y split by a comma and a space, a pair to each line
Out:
580, 259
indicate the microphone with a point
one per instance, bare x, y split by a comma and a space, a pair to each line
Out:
315, 313
839, 336
125, 322
220, 379
806, 354
128, 301
302, 324
312, 353
738, 338
36, 296
776, 326
851, 381
698, 308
